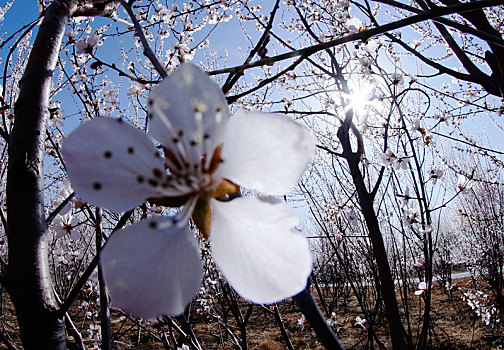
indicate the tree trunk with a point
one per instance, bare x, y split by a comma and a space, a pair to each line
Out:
366, 201
28, 278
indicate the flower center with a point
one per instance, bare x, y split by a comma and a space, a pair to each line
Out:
195, 184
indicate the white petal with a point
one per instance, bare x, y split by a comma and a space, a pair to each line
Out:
266, 152
152, 268
258, 250
188, 112
112, 164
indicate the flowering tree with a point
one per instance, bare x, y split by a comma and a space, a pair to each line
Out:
174, 172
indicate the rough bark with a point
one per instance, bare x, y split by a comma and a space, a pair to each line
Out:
28, 277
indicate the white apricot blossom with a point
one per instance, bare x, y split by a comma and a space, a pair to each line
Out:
422, 287
86, 45
153, 267
63, 225
360, 322
463, 183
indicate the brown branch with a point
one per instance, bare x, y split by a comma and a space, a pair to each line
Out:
364, 35
489, 36
72, 295
233, 77
234, 98
147, 50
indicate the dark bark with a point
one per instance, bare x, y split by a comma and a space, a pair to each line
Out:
366, 201
310, 309
28, 277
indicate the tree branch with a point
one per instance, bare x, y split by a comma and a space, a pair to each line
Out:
147, 50
366, 34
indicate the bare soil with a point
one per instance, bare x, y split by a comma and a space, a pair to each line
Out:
455, 326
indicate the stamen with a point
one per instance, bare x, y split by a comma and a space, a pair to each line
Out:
169, 126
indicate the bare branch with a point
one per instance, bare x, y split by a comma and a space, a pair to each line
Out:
147, 50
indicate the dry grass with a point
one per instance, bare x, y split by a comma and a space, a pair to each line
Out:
455, 326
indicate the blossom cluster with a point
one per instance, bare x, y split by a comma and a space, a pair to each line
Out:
480, 303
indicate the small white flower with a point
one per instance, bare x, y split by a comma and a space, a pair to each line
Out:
427, 230
352, 217
422, 287
135, 90
400, 163
463, 183
63, 225
301, 321
360, 322
86, 45
354, 25
389, 158
397, 79
410, 216
416, 126
435, 175
404, 199
343, 4
65, 191
153, 267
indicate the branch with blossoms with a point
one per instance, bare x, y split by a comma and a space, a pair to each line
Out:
365, 34
120, 72
139, 32
261, 45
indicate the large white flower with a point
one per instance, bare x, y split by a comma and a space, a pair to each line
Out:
153, 267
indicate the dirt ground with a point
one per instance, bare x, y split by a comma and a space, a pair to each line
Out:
455, 326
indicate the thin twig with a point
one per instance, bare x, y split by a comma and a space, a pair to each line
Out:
6, 341
147, 50
278, 318
186, 327
92, 265
104, 300
364, 35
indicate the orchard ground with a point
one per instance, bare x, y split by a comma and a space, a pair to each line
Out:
454, 326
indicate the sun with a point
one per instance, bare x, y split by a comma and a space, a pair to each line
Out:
361, 96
